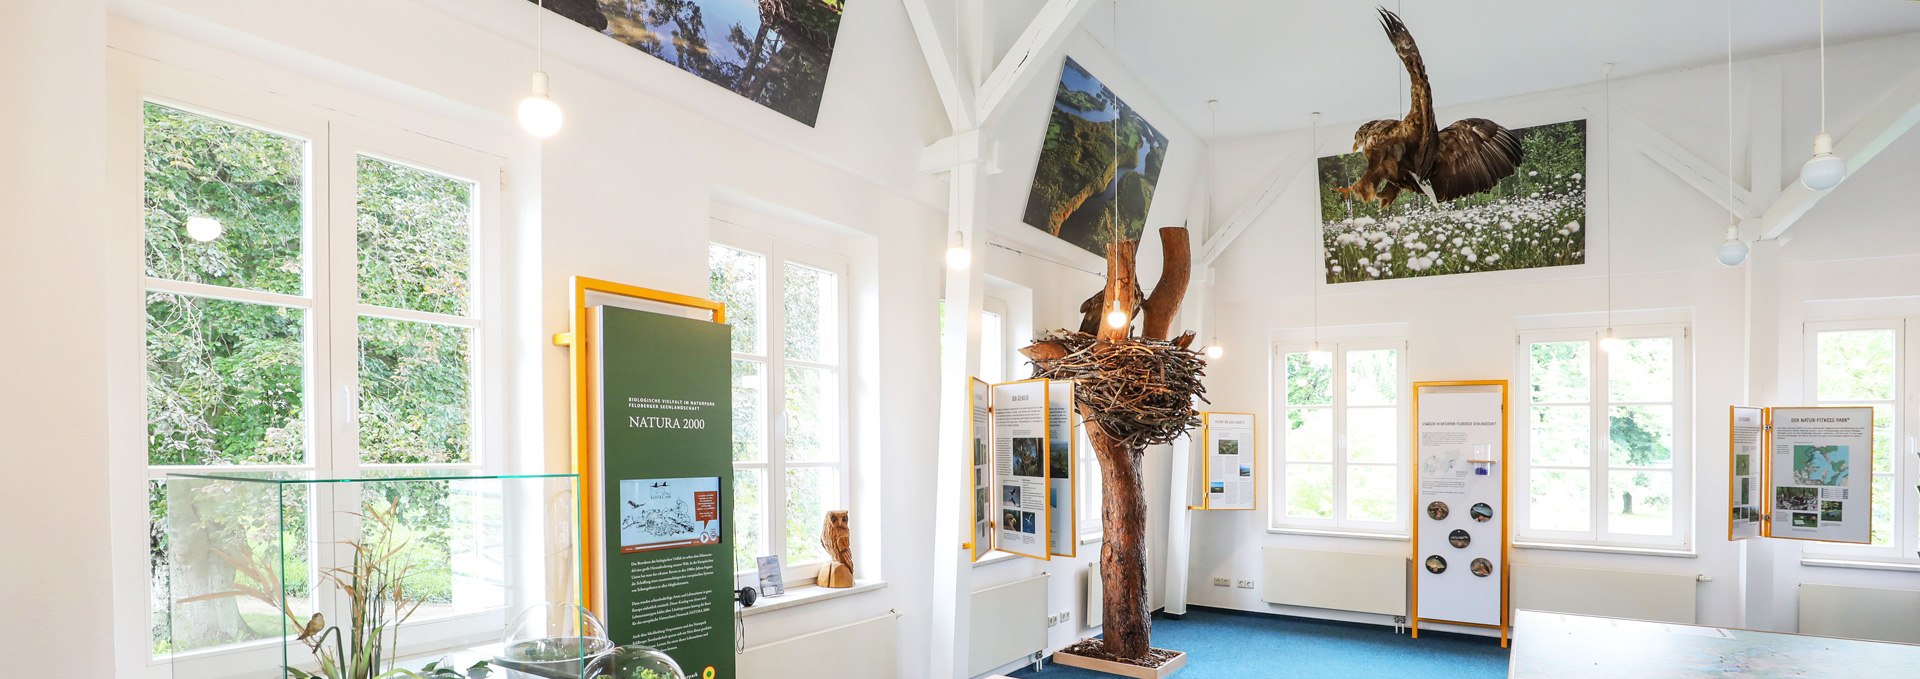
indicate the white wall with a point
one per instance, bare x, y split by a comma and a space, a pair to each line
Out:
1859, 243
623, 193
52, 417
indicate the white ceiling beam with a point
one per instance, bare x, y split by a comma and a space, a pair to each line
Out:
1223, 236
1707, 178
1030, 55
1894, 116
940, 41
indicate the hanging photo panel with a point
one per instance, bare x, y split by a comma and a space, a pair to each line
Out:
1229, 455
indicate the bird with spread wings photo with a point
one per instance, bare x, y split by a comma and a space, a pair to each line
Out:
1417, 199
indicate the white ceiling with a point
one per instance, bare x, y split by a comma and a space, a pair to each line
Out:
1273, 62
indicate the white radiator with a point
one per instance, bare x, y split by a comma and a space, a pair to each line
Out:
1009, 623
1860, 613
862, 650
1661, 597
1342, 581
1096, 596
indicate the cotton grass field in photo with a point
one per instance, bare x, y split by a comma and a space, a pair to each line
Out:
1535, 218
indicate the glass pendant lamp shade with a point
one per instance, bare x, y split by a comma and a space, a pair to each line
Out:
539, 116
1824, 170
958, 256
1733, 251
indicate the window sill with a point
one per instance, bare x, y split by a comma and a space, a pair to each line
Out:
799, 596
1360, 535
1668, 552
1906, 566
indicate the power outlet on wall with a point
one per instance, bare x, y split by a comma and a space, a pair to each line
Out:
1243, 584
1222, 582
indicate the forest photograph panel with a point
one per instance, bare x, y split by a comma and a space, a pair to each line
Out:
1534, 218
1077, 182
774, 52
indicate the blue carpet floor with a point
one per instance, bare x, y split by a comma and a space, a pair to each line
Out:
1227, 645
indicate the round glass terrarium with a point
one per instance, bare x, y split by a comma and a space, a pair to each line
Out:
553, 641
638, 662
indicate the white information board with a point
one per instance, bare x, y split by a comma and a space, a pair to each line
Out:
1746, 493
1821, 480
1228, 440
1460, 512
1020, 464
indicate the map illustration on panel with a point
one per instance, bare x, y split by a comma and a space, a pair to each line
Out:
1820, 465
1078, 183
774, 52
668, 513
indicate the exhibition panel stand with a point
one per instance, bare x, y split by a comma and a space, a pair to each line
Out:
1460, 512
652, 438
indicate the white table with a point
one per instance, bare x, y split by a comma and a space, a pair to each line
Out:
1562, 646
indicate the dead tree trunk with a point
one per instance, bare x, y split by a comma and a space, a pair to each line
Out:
1123, 554
1127, 626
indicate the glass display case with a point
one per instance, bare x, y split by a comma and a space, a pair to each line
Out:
285, 574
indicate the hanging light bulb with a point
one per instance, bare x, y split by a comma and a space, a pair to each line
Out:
958, 256
204, 229
539, 116
1611, 344
1733, 251
1824, 170
1214, 351
1117, 318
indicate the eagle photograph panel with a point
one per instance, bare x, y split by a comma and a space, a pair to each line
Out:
1416, 199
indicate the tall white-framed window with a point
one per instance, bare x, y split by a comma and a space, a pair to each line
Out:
1340, 414
995, 332
1603, 439
318, 295
787, 303
1866, 363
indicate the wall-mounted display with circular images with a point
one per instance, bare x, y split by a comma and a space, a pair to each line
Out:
1481, 567
1436, 564
1481, 512
1459, 538
1438, 510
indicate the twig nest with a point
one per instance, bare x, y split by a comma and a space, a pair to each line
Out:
1139, 391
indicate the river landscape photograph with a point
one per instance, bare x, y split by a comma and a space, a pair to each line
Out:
1078, 182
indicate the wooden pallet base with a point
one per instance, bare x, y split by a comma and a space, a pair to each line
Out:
1122, 669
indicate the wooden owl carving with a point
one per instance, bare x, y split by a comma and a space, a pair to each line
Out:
838, 572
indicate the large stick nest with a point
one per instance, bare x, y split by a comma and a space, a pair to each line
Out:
1139, 391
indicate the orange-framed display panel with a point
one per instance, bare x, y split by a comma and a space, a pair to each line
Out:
1073, 471
1206, 437
1766, 453
577, 340
1506, 509
1046, 454
1760, 474
974, 549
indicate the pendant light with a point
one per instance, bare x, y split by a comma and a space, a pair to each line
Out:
204, 229
539, 116
1733, 251
1824, 170
958, 256
1214, 351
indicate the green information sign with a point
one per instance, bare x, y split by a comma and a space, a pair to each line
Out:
667, 485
